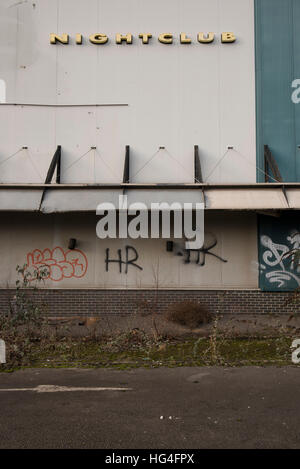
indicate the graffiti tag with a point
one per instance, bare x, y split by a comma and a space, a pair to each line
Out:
199, 254
286, 269
127, 262
57, 263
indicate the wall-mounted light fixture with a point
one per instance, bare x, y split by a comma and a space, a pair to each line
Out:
72, 243
170, 246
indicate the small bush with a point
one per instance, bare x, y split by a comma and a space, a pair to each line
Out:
189, 314
22, 325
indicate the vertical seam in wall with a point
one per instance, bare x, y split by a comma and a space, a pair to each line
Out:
97, 135
258, 114
57, 49
258, 85
179, 94
219, 89
17, 52
16, 71
293, 76
56, 78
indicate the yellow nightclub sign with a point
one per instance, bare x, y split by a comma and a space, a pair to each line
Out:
144, 38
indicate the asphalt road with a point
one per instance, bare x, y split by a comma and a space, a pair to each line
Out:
179, 408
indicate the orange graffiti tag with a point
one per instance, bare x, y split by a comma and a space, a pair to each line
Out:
57, 264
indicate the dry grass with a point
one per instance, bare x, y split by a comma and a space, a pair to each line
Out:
188, 314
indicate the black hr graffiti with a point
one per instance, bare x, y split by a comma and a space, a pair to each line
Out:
201, 254
120, 261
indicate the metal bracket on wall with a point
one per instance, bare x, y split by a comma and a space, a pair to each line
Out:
270, 163
55, 163
198, 178
197, 166
126, 173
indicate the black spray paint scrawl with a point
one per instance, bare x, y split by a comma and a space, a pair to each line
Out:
201, 254
127, 262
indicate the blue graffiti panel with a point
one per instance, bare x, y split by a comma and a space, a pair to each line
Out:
279, 239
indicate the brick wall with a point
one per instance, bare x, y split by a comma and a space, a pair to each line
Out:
93, 302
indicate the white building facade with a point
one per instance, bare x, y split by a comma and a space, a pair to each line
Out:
153, 100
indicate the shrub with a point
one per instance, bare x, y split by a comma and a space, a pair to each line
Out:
23, 324
189, 314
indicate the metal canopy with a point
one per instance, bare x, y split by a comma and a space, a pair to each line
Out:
293, 196
21, 200
76, 200
85, 198
147, 197
246, 199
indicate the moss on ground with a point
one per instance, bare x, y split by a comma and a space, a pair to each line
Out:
188, 352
